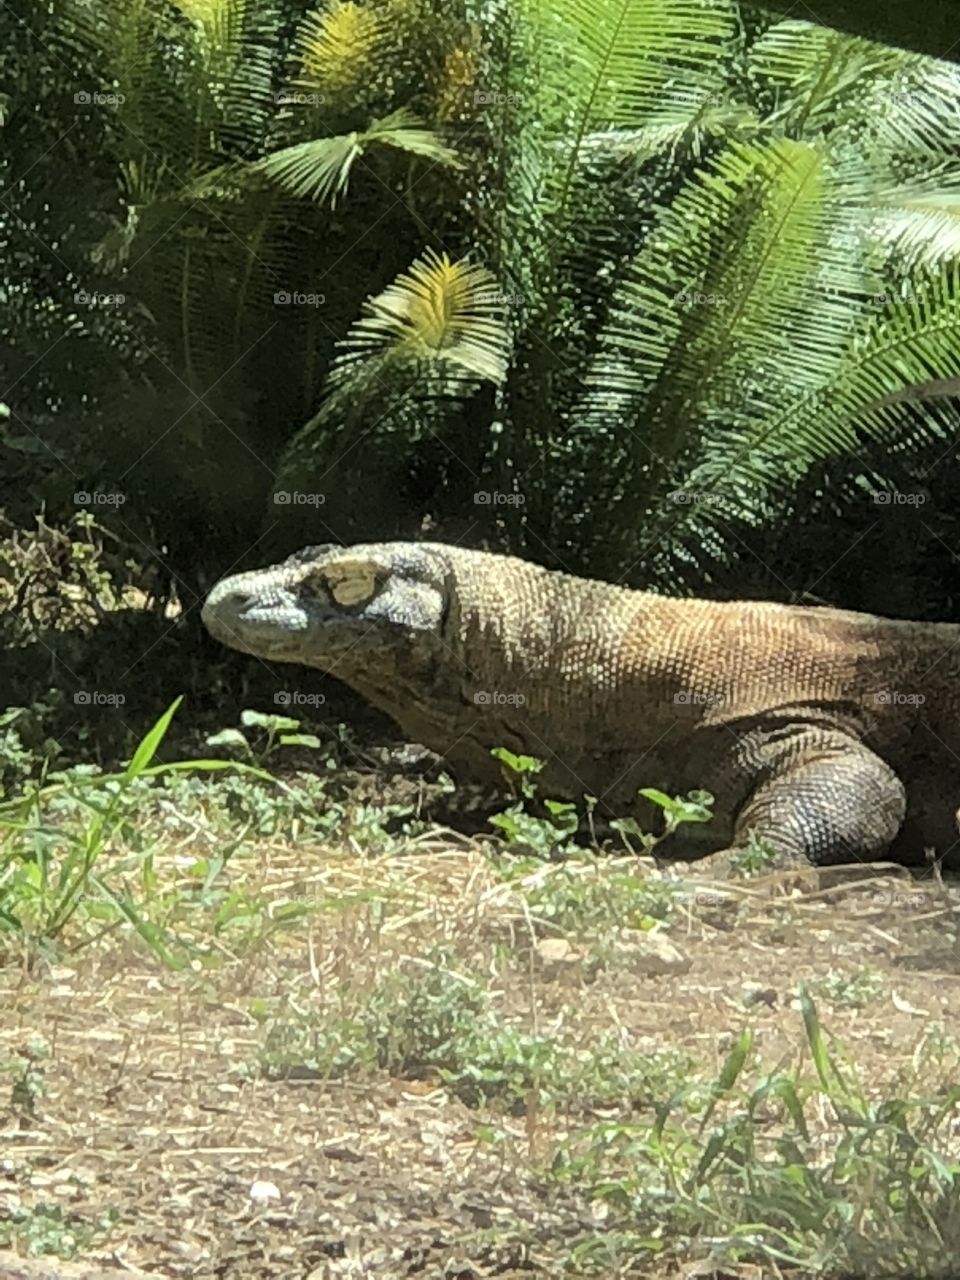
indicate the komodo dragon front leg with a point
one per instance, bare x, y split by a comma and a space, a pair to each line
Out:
822, 798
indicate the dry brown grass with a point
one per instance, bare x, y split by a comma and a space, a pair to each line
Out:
152, 1107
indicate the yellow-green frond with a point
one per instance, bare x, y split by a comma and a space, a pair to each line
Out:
441, 311
336, 45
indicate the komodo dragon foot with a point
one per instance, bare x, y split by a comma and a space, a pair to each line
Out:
826, 800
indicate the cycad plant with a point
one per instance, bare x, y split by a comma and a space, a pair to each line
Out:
252, 162
734, 252
627, 269
795, 298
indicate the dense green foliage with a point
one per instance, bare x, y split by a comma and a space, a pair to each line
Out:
632, 273
648, 288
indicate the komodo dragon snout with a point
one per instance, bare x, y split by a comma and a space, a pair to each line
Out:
329, 601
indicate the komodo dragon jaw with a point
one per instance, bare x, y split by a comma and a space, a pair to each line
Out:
328, 605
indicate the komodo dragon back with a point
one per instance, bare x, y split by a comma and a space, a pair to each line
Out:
830, 736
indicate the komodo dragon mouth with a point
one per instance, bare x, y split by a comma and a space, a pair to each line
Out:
830, 736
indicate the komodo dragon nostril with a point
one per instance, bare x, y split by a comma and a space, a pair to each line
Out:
238, 601
225, 605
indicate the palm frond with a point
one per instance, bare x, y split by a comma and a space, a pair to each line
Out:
320, 168
404, 131
919, 222
335, 46
441, 312
571, 72
685, 130
751, 278
316, 170
883, 98
914, 113
119, 42
815, 75
616, 64
233, 49
576, 80
743, 300
886, 385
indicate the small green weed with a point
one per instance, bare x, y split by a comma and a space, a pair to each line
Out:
543, 837
878, 1196
24, 745
592, 894
753, 859
274, 732
677, 810
525, 831
854, 990
47, 1228
430, 1020
519, 772
28, 1082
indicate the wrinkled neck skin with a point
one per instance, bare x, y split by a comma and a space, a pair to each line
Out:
421, 679
509, 652
414, 682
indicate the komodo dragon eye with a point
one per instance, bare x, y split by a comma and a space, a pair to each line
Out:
346, 582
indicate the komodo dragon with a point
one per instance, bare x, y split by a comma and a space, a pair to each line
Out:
830, 736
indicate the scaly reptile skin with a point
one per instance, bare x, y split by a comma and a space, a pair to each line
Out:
831, 736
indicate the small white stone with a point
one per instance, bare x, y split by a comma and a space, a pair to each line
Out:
264, 1191
554, 950
650, 953
558, 958
599, 1210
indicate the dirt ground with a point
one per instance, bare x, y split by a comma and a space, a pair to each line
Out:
208, 1170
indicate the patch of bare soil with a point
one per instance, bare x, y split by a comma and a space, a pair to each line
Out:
211, 1171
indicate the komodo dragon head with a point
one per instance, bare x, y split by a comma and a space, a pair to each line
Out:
331, 605
422, 630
